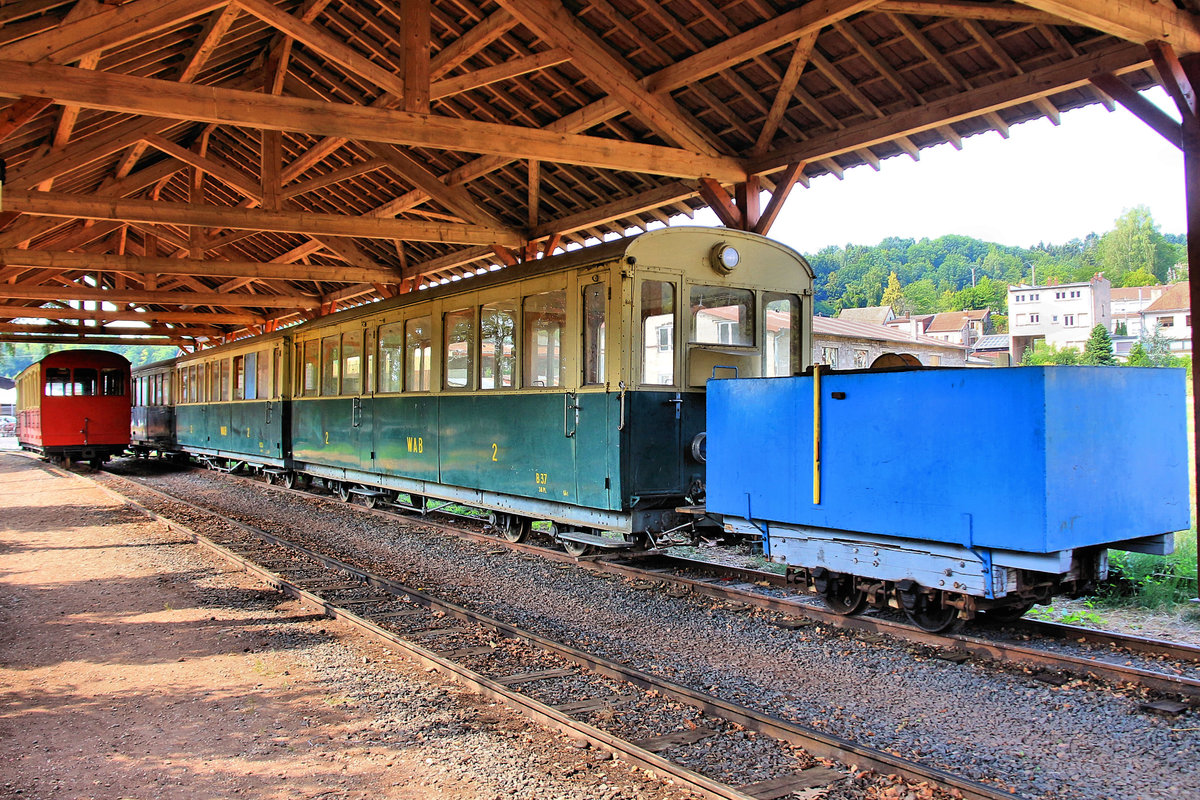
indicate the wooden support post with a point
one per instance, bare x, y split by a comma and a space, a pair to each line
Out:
552, 242
415, 48
1181, 80
272, 156
713, 193
783, 187
748, 202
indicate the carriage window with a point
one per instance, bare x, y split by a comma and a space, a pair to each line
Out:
459, 331
214, 381
722, 315
352, 362
85, 382
312, 360
156, 390
239, 377
262, 379
594, 296
497, 349
391, 357
658, 333
58, 381
781, 342
193, 371
330, 365
418, 348
251, 379
225, 379
184, 395
545, 319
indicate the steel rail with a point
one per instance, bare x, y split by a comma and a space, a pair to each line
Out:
976, 647
817, 743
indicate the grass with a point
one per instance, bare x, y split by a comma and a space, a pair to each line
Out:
1153, 582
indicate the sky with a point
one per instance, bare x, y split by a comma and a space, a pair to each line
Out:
1043, 184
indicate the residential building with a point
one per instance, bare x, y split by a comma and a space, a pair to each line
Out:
1171, 316
842, 344
994, 348
1062, 314
911, 326
1128, 303
960, 327
874, 315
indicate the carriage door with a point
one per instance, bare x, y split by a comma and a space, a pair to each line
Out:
356, 385
595, 461
654, 412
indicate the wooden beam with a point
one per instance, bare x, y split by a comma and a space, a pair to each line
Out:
152, 317
56, 204
747, 195
414, 59
1138, 21
783, 188
271, 154
787, 88
323, 44
235, 178
120, 24
1013, 91
21, 112
617, 209
454, 198
477, 38
789, 26
721, 203
134, 95
217, 26
1140, 107
336, 176
87, 294
1174, 78
501, 72
989, 12
553, 23
98, 262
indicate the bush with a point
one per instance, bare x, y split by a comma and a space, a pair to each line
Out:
1159, 582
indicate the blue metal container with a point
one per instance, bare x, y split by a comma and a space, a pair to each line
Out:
1033, 459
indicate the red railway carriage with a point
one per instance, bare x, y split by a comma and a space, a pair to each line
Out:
74, 405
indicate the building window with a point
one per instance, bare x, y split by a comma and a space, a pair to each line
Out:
1068, 319
1054, 319
829, 356
860, 359
1034, 296
1076, 294
1034, 317
1188, 320
1165, 322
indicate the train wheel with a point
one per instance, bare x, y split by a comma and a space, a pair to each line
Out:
931, 614
96, 463
843, 598
577, 549
376, 500
512, 528
268, 477
342, 490
289, 480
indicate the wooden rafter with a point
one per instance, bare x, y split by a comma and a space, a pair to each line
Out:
150, 97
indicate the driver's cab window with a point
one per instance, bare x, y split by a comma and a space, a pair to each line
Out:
658, 333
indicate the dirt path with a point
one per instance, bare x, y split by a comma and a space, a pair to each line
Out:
132, 666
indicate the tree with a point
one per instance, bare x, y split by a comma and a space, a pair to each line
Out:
1158, 348
1042, 354
1135, 243
893, 295
1138, 356
1099, 350
1139, 277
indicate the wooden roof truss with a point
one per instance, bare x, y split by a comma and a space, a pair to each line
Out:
212, 168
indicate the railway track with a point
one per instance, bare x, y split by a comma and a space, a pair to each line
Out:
1159, 662
556, 684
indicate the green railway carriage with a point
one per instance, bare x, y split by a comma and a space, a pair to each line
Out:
231, 403
568, 389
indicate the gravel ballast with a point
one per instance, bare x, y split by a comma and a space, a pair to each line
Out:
1072, 741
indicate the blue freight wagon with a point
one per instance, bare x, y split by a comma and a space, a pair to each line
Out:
950, 491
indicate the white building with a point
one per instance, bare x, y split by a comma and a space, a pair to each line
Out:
1171, 316
1128, 303
1062, 315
